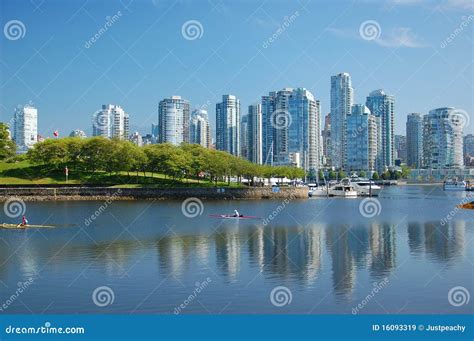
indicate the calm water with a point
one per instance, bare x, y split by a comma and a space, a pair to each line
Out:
324, 251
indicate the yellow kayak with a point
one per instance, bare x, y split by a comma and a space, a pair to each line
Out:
16, 226
469, 206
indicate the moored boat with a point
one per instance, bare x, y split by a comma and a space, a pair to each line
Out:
343, 190
454, 185
366, 187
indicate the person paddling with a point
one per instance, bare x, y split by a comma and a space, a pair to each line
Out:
236, 214
24, 222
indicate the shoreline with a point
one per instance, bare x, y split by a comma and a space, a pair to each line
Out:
132, 194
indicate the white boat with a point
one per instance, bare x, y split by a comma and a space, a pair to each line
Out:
454, 185
366, 187
316, 190
343, 190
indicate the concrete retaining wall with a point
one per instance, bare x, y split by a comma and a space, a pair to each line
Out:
101, 193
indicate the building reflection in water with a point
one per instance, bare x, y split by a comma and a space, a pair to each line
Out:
441, 243
284, 252
288, 253
383, 249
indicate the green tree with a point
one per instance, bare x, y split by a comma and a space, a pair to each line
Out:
362, 174
332, 175
7, 146
341, 174
375, 176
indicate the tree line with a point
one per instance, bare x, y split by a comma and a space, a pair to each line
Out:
187, 161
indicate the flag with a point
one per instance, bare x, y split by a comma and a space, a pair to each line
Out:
56, 133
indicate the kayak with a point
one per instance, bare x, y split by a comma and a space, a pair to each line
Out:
15, 226
469, 206
231, 216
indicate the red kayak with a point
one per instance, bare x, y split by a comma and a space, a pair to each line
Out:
231, 216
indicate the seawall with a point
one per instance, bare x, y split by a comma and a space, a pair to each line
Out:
104, 193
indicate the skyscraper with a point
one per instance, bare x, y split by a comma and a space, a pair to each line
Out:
414, 128
468, 145
244, 143
382, 105
254, 133
173, 121
111, 122
362, 139
341, 103
442, 140
155, 131
400, 149
25, 127
228, 125
199, 131
304, 130
326, 137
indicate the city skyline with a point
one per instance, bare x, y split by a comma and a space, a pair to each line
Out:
412, 68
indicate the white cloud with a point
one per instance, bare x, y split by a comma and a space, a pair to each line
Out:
397, 37
400, 37
461, 4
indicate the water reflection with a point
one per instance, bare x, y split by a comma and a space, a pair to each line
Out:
238, 253
441, 243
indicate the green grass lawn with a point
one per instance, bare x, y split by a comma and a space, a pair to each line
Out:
23, 173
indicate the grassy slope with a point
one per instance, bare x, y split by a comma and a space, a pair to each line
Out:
24, 173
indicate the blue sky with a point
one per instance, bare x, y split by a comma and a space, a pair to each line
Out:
143, 56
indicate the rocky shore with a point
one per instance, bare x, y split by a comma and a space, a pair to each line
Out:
107, 193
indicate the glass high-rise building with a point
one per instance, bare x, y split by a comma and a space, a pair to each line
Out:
362, 139
342, 95
414, 146
25, 127
254, 133
304, 130
173, 120
228, 125
400, 149
275, 121
326, 137
291, 128
442, 140
199, 131
382, 105
111, 122
468, 145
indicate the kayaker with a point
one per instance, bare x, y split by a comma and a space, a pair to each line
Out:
24, 221
236, 214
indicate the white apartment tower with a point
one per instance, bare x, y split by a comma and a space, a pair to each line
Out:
25, 127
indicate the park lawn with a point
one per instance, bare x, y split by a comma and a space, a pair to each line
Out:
23, 173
